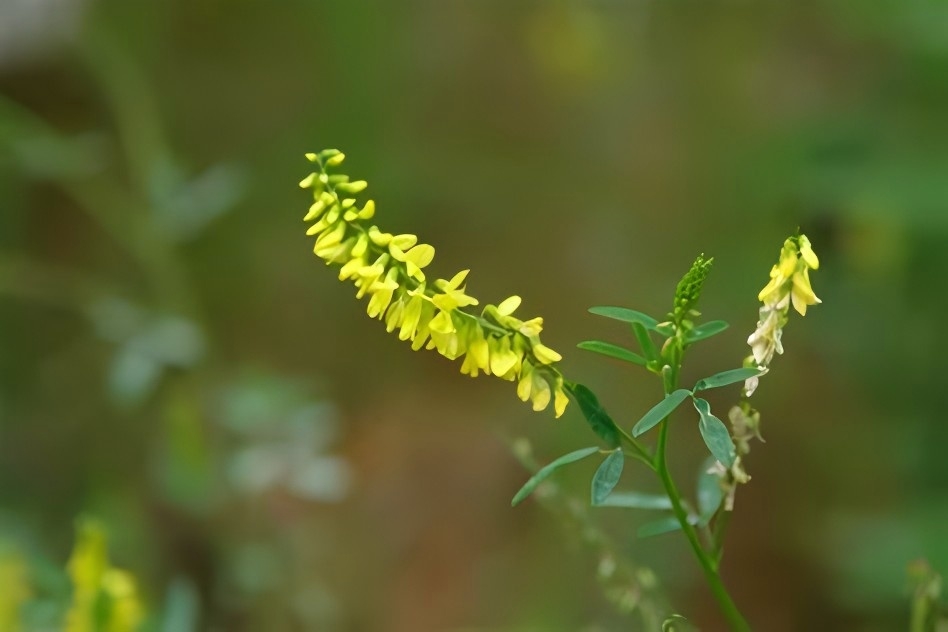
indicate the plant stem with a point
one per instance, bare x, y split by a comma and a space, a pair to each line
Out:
708, 561
717, 534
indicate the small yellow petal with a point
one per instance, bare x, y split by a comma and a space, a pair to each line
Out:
560, 401
545, 355
509, 306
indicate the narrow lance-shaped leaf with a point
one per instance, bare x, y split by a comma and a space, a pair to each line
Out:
636, 500
607, 476
661, 410
611, 350
545, 471
726, 378
663, 525
624, 315
715, 434
598, 419
645, 341
706, 330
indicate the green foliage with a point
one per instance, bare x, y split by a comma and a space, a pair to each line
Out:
659, 411
625, 315
595, 415
545, 471
726, 378
715, 434
606, 477
705, 330
612, 351
636, 500
658, 527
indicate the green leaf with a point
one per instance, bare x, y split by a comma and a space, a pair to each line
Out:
661, 410
715, 434
625, 315
636, 500
645, 341
663, 525
613, 351
726, 378
598, 419
671, 624
607, 476
545, 471
706, 330
710, 494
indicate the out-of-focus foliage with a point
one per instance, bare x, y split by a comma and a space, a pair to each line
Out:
173, 361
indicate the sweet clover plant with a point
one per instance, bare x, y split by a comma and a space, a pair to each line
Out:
439, 314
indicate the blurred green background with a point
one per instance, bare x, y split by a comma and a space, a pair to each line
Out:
174, 360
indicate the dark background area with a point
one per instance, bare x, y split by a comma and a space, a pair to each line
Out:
175, 361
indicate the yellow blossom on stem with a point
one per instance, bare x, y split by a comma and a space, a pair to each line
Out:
389, 270
789, 284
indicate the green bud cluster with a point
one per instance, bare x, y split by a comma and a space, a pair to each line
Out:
689, 289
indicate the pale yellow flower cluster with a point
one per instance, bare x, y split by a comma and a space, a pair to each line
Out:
789, 284
389, 270
104, 598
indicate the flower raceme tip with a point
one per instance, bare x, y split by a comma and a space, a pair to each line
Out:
389, 270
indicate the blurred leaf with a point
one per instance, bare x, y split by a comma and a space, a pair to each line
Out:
661, 410
625, 315
182, 607
185, 208
676, 623
706, 330
710, 493
727, 378
607, 476
321, 478
715, 434
658, 527
545, 471
636, 500
133, 376
598, 419
612, 351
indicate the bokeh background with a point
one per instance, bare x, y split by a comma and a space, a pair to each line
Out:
176, 363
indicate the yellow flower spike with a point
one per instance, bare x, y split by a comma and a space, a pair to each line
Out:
509, 306
545, 355
431, 315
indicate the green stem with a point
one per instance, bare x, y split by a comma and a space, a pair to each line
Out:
708, 563
717, 534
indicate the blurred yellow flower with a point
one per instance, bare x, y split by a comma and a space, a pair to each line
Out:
104, 598
430, 315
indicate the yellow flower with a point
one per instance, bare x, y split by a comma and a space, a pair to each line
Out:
789, 284
432, 315
104, 598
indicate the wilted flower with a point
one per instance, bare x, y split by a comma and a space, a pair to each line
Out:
389, 269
